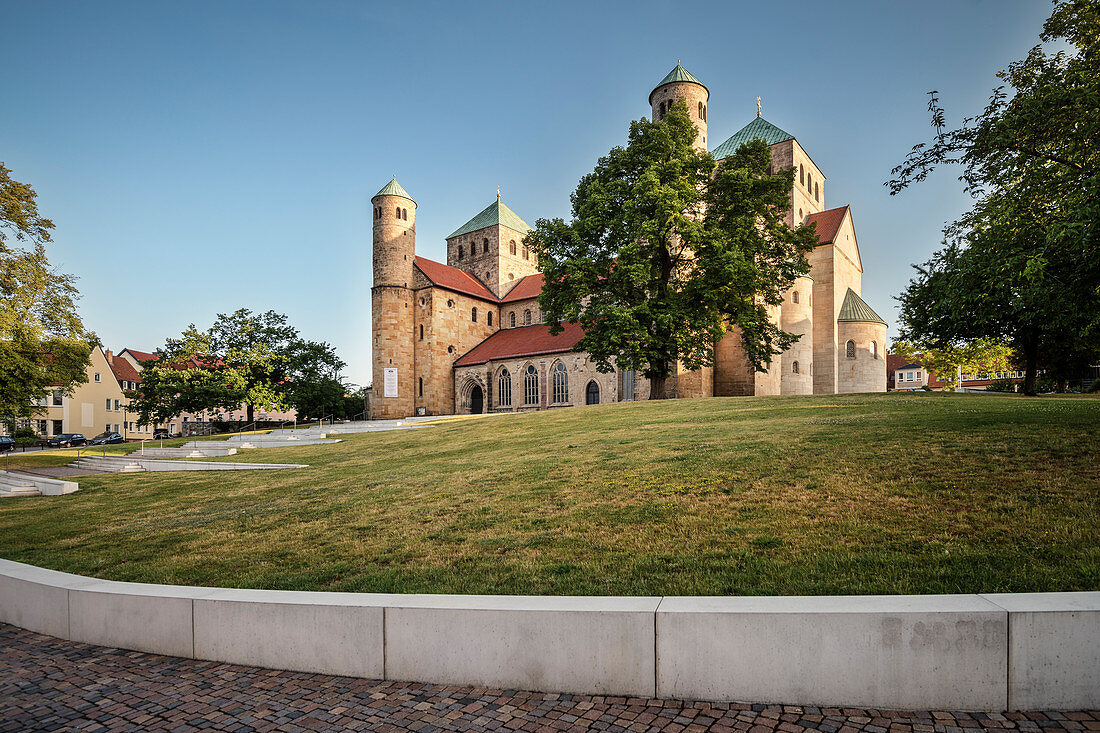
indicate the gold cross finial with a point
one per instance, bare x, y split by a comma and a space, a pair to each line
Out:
498, 193
758, 107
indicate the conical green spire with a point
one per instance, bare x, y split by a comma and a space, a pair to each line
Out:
758, 128
393, 188
679, 74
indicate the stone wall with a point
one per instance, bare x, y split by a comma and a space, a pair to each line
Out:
449, 332
518, 308
796, 364
580, 370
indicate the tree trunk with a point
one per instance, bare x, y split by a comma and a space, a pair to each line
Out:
251, 412
1031, 367
657, 388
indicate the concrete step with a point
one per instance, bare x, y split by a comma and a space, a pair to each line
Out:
13, 483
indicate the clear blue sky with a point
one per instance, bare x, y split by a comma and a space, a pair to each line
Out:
201, 157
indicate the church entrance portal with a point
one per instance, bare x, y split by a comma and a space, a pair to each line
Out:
592, 393
477, 398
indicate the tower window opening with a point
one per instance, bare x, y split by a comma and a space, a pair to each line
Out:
801, 174
512, 319
485, 245
817, 193
874, 350
809, 181
421, 386
489, 317
405, 214
473, 315
850, 350
526, 253
421, 331
700, 110
794, 368
794, 297
704, 113
461, 252
397, 210
512, 247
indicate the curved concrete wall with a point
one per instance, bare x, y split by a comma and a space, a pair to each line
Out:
961, 652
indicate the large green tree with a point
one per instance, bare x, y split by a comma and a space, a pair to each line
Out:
668, 250
1023, 265
255, 359
43, 343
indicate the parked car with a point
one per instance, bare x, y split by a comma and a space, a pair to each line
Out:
66, 440
161, 434
6, 443
107, 439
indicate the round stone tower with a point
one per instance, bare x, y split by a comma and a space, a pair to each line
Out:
680, 84
392, 302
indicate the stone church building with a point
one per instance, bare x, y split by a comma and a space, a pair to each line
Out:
468, 336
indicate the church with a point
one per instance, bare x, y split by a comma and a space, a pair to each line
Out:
468, 337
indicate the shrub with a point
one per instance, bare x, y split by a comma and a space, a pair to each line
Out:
1001, 385
25, 436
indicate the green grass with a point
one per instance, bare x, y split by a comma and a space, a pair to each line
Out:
899, 493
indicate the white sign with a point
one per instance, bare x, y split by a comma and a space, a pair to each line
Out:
389, 384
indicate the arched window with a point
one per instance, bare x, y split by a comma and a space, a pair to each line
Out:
485, 245
526, 318
874, 350
531, 386
561, 383
421, 386
460, 252
817, 193
809, 181
398, 214
794, 368
512, 319
704, 113
512, 247
700, 110
592, 393
526, 253
662, 109
794, 297
473, 315
504, 388
421, 331
405, 214
800, 215
850, 350
489, 317
801, 174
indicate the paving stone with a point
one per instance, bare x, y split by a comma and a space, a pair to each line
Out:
50, 684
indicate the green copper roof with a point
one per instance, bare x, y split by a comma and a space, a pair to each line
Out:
493, 214
393, 188
678, 74
854, 309
758, 128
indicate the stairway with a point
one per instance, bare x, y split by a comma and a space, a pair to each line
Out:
108, 464
14, 485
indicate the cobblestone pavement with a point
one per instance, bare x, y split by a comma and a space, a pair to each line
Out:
50, 684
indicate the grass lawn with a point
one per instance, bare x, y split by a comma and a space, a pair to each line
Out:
898, 493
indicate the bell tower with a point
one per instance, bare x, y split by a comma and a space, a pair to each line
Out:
680, 84
392, 302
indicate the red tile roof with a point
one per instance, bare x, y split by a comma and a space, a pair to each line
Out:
527, 287
454, 279
509, 343
124, 370
141, 355
828, 223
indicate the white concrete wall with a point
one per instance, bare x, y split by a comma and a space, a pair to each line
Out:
964, 652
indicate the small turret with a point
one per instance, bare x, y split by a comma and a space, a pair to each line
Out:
680, 84
394, 236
